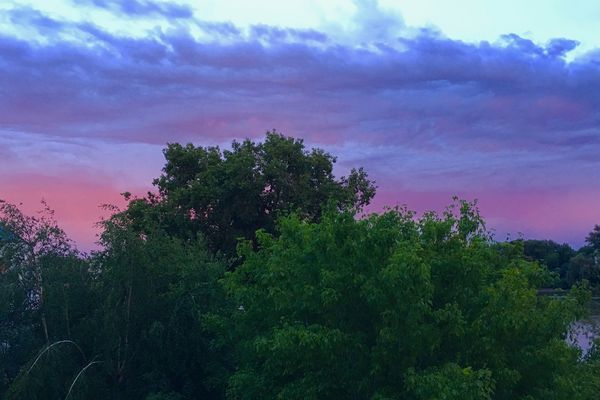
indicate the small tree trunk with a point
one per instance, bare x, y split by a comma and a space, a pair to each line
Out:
45, 326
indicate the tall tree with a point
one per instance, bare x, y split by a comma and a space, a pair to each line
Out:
554, 256
44, 299
391, 307
226, 195
156, 291
593, 238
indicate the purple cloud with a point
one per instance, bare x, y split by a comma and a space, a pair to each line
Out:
142, 8
425, 113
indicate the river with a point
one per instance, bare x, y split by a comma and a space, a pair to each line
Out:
584, 332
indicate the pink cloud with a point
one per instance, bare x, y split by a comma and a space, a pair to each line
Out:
512, 124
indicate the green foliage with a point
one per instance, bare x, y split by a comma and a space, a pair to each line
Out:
322, 305
156, 289
450, 382
390, 307
554, 256
43, 297
568, 265
593, 239
126, 322
582, 267
226, 195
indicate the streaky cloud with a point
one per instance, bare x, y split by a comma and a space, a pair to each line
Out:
142, 8
422, 111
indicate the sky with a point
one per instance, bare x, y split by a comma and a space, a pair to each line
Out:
491, 100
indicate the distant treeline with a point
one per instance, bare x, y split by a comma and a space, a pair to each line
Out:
251, 273
569, 266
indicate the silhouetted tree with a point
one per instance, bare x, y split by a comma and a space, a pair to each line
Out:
554, 256
226, 195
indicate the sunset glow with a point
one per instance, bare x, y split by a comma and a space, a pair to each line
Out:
92, 90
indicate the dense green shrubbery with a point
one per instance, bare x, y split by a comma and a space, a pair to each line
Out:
568, 266
391, 307
320, 305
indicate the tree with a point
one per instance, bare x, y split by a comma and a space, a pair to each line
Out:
128, 322
593, 239
226, 195
44, 299
554, 256
585, 264
582, 267
393, 307
155, 291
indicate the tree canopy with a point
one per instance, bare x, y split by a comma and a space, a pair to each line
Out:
390, 307
226, 195
593, 239
568, 265
320, 303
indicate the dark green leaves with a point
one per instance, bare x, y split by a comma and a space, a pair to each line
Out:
226, 195
390, 307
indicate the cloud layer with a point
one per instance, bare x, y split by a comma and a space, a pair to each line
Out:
510, 122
